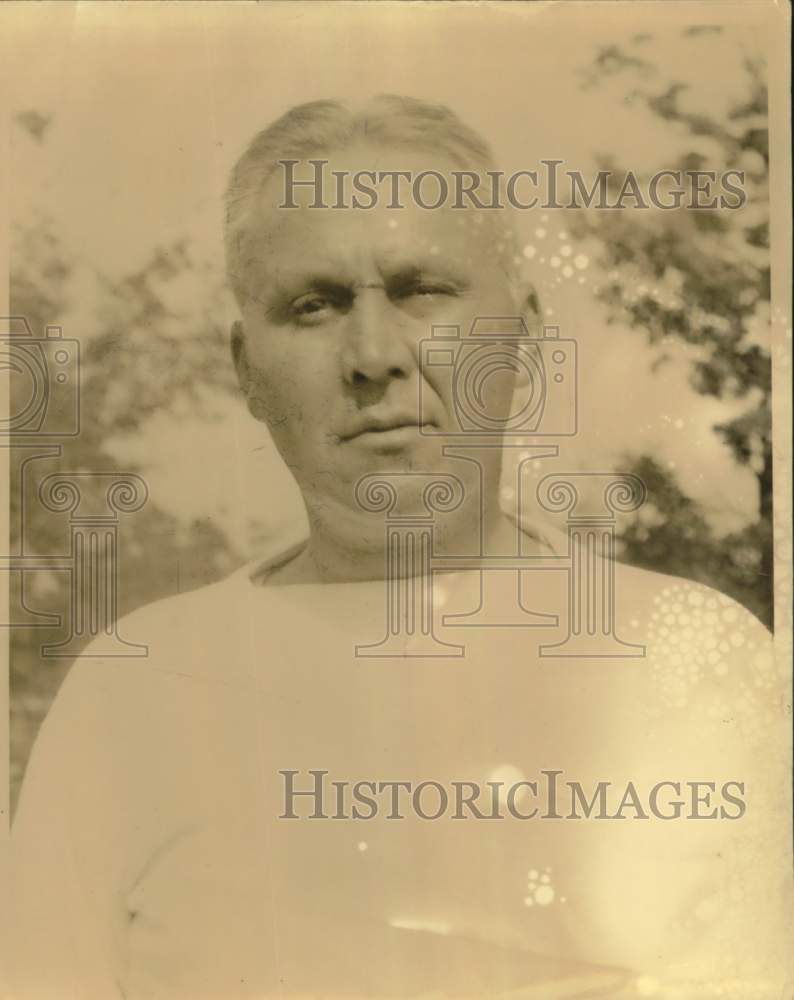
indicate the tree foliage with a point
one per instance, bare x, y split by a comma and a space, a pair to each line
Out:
701, 278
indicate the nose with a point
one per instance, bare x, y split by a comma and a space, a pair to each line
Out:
375, 350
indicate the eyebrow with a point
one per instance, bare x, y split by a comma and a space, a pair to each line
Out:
431, 264
327, 279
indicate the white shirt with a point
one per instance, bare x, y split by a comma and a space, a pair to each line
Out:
151, 861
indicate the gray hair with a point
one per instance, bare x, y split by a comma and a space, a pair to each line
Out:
323, 126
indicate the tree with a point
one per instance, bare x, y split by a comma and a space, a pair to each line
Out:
700, 278
154, 345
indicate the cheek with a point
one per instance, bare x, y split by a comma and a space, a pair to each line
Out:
287, 392
498, 393
272, 401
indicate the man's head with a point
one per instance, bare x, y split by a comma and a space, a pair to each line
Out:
336, 303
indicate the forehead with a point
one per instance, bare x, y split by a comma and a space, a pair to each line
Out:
468, 239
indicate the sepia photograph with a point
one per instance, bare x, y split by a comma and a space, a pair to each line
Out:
396, 437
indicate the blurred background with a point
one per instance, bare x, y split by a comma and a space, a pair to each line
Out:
121, 144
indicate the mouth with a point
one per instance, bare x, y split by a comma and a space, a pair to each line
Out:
391, 434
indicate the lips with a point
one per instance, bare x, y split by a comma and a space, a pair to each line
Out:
385, 424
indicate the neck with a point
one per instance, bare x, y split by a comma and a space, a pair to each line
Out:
346, 546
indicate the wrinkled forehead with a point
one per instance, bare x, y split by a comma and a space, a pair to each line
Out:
386, 205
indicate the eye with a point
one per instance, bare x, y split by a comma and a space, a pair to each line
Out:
434, 286
312, 308
425, 289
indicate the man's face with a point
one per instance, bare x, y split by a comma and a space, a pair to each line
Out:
339, 302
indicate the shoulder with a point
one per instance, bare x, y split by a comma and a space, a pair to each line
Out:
701, 623
148, 724
711, 679
695, 649
704, 713
170, 654
181, 634
181, 616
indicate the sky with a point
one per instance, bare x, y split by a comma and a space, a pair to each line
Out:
151, 107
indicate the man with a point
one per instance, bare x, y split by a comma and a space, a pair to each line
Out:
189, 825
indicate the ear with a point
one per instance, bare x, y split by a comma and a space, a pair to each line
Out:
245, 379
239, 358
528, 304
